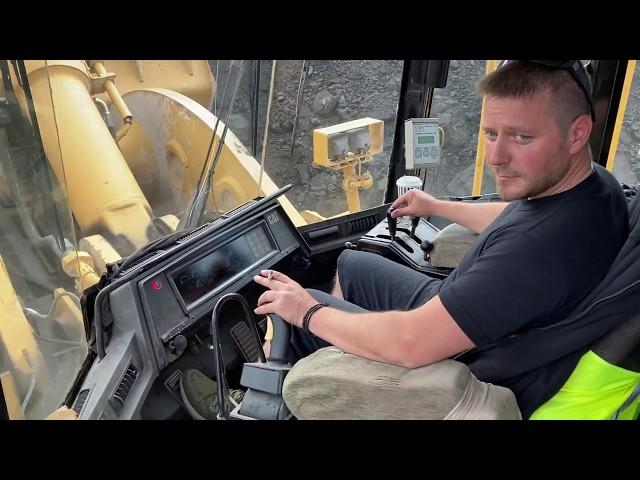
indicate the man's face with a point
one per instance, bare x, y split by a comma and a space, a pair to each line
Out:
525, 148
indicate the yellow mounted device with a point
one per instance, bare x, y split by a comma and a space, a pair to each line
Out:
346, 146
347, 143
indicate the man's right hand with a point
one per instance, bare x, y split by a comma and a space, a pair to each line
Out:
415, 203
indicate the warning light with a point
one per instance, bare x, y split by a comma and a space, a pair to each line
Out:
156, 285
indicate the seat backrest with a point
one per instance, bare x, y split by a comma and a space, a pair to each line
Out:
621, 348
606, 381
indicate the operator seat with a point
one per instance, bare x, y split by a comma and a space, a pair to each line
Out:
605, 384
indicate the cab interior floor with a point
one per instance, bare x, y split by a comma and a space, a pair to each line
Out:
163, 401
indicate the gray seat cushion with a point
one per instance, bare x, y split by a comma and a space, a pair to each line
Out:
333, 385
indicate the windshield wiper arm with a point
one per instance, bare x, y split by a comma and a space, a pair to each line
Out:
199, 202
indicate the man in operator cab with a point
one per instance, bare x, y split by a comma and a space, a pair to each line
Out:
539, 252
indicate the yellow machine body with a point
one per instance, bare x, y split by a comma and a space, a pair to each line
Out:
191, 78
102, 192
166, 149
20, 349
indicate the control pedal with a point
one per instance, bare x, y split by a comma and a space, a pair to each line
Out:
172, 384
246, 342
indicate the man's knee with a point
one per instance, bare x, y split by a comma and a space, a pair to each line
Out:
351, 264
336, 289
350, 261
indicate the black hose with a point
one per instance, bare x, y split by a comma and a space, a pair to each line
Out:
217, 347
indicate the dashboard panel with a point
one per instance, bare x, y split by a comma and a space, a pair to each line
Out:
154, 298
187, 285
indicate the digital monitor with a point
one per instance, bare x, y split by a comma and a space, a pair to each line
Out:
200, 278
426, 139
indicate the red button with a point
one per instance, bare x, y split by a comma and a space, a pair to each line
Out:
156, 285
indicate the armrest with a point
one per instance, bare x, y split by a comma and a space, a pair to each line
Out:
450, 245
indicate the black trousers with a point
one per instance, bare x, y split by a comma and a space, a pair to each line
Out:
369, 282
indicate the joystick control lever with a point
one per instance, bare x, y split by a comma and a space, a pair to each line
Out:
426, 247
414, 224
392, 222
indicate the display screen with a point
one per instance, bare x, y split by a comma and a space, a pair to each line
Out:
198, 279
422, 139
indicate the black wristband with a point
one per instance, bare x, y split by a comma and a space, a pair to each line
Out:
310, 312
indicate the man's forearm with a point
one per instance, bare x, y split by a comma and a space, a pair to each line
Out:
380, 336
411, 338
474, 216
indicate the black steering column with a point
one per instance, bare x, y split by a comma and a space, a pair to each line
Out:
264, 379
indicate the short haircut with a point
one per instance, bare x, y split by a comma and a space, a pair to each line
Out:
520, 78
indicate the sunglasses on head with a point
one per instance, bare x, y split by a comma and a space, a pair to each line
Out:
577, 72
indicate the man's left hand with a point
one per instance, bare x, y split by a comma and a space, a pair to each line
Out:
285, 297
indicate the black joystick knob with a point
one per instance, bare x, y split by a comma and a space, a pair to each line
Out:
414, 224
426, 247
391, 222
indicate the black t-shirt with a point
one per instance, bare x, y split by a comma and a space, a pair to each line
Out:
530, 268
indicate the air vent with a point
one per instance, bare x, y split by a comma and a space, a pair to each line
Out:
137, 264
195, 233
364, 223
80, 400
237, 210
126, 384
